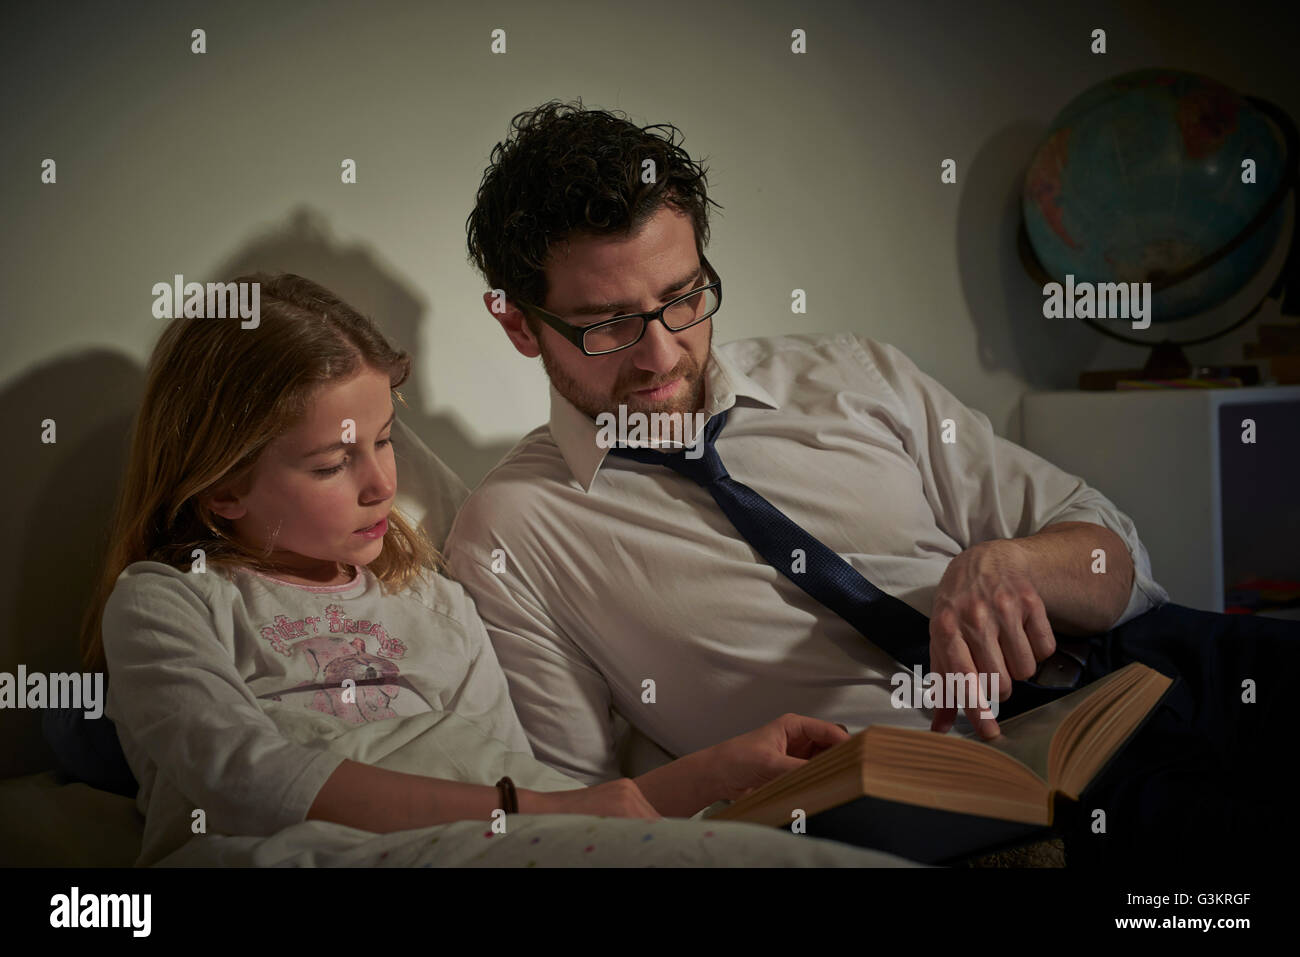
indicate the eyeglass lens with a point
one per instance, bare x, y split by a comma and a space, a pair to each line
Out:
677, 316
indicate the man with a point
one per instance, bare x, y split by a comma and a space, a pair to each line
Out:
609, 583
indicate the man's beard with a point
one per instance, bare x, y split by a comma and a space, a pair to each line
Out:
688, 398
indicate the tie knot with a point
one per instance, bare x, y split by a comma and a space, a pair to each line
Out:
699, 462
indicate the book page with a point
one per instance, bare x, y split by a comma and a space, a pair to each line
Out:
1028, 737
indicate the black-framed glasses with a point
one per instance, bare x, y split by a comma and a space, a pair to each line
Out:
623, 332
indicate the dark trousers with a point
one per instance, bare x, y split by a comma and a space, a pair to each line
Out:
1207, 780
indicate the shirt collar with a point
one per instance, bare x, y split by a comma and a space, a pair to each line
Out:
725, 385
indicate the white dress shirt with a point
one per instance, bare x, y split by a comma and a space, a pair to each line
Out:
596, 576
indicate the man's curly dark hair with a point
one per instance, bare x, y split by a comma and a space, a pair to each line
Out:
570, 171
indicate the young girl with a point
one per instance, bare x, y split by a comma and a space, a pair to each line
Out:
293, 680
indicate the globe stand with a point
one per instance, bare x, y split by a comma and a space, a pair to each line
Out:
1167, 364
1167, 361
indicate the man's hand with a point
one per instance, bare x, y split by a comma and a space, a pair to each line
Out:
988, 618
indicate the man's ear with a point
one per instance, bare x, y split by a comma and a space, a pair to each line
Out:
514, 322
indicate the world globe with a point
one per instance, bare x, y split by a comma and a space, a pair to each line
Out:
1141, 176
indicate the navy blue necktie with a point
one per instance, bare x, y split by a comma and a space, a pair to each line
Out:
884, 620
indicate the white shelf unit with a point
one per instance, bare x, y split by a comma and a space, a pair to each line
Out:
1211, 509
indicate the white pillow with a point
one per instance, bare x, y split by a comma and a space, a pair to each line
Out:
428, 491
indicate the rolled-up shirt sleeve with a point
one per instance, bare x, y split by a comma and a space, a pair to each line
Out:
176, 693
982, 486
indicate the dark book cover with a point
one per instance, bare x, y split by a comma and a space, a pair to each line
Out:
933, 836
923, 834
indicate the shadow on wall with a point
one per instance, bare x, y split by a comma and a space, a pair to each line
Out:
55, 522
1005, 305
61, 499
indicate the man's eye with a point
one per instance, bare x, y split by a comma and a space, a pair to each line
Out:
623, 315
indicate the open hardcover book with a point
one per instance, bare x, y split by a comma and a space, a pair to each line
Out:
960, 793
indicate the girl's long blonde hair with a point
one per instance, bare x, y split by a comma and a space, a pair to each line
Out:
216, 395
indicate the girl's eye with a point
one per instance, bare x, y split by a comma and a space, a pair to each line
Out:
325, 473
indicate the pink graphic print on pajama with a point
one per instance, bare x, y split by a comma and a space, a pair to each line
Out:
362, 651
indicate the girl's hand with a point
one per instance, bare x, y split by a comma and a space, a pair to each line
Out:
750, 760
618, 798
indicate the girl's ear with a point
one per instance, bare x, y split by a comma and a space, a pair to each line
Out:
227, 500
225, 505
